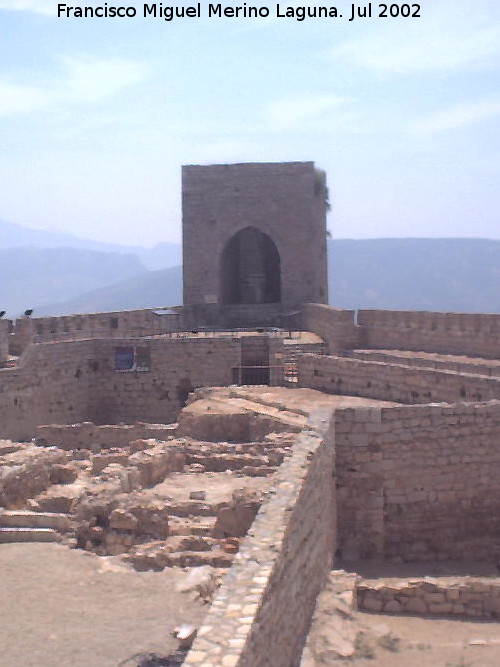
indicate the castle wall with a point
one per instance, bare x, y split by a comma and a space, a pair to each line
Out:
450, 333
177, 366
69, 382
284, 201
263, 610
120, 324
334, 325
419, 482
51, 384
474, 365
393, 382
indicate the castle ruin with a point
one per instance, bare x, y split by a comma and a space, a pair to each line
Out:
344, 435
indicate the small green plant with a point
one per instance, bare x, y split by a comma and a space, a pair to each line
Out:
363, 647
390, 642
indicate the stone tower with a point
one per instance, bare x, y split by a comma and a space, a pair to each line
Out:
254, 238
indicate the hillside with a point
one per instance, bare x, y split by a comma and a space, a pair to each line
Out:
146, 290
461, 275
13, 235
30, 277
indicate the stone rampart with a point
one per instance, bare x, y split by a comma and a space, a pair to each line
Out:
451, 333
262, 612
334, 325
77, 381
443, 362
120, 324
393, 382
419, 482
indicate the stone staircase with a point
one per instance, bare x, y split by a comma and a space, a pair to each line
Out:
26, 526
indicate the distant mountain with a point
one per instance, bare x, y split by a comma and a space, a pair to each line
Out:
12, 235
461, 275
162, 256
146, 290
30, 277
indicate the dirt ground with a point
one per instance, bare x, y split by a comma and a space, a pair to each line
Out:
385, 640
424, 642
62, 607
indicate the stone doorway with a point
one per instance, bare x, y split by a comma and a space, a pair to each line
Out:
250, 269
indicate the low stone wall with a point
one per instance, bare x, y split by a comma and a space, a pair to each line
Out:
262, 612
476, 598
77, 381
393, 382
89, 436
451, 333
419, 483
490, 368
334, 325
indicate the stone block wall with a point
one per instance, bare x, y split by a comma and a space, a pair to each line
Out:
263, 610
470, 365
120, 324
464, 597
419, 482
90, 436
450, 333
285, 201
51, 384
70, 382
393, 382
334, 325
177, 367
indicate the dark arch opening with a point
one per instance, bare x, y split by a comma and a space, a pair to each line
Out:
250, 269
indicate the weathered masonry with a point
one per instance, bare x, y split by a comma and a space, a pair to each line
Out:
254, 238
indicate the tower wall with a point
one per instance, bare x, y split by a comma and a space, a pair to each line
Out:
285, 201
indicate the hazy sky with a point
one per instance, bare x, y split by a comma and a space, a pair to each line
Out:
98, 115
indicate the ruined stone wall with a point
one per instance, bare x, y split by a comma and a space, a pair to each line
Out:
262, 612
474, 365
89, 436
77, 381
451, 333
50, 384
177, 366
285, 201
419, 482
120, 324
393, 382
462, 597
334, 325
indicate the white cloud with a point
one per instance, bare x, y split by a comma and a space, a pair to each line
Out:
448, 36
22, 99
48, 7
295, 111
91, 79
457, 117
85, 80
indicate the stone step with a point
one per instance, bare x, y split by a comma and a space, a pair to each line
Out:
28, 535
27, 519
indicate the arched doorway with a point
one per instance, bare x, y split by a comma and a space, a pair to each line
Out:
250, 269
